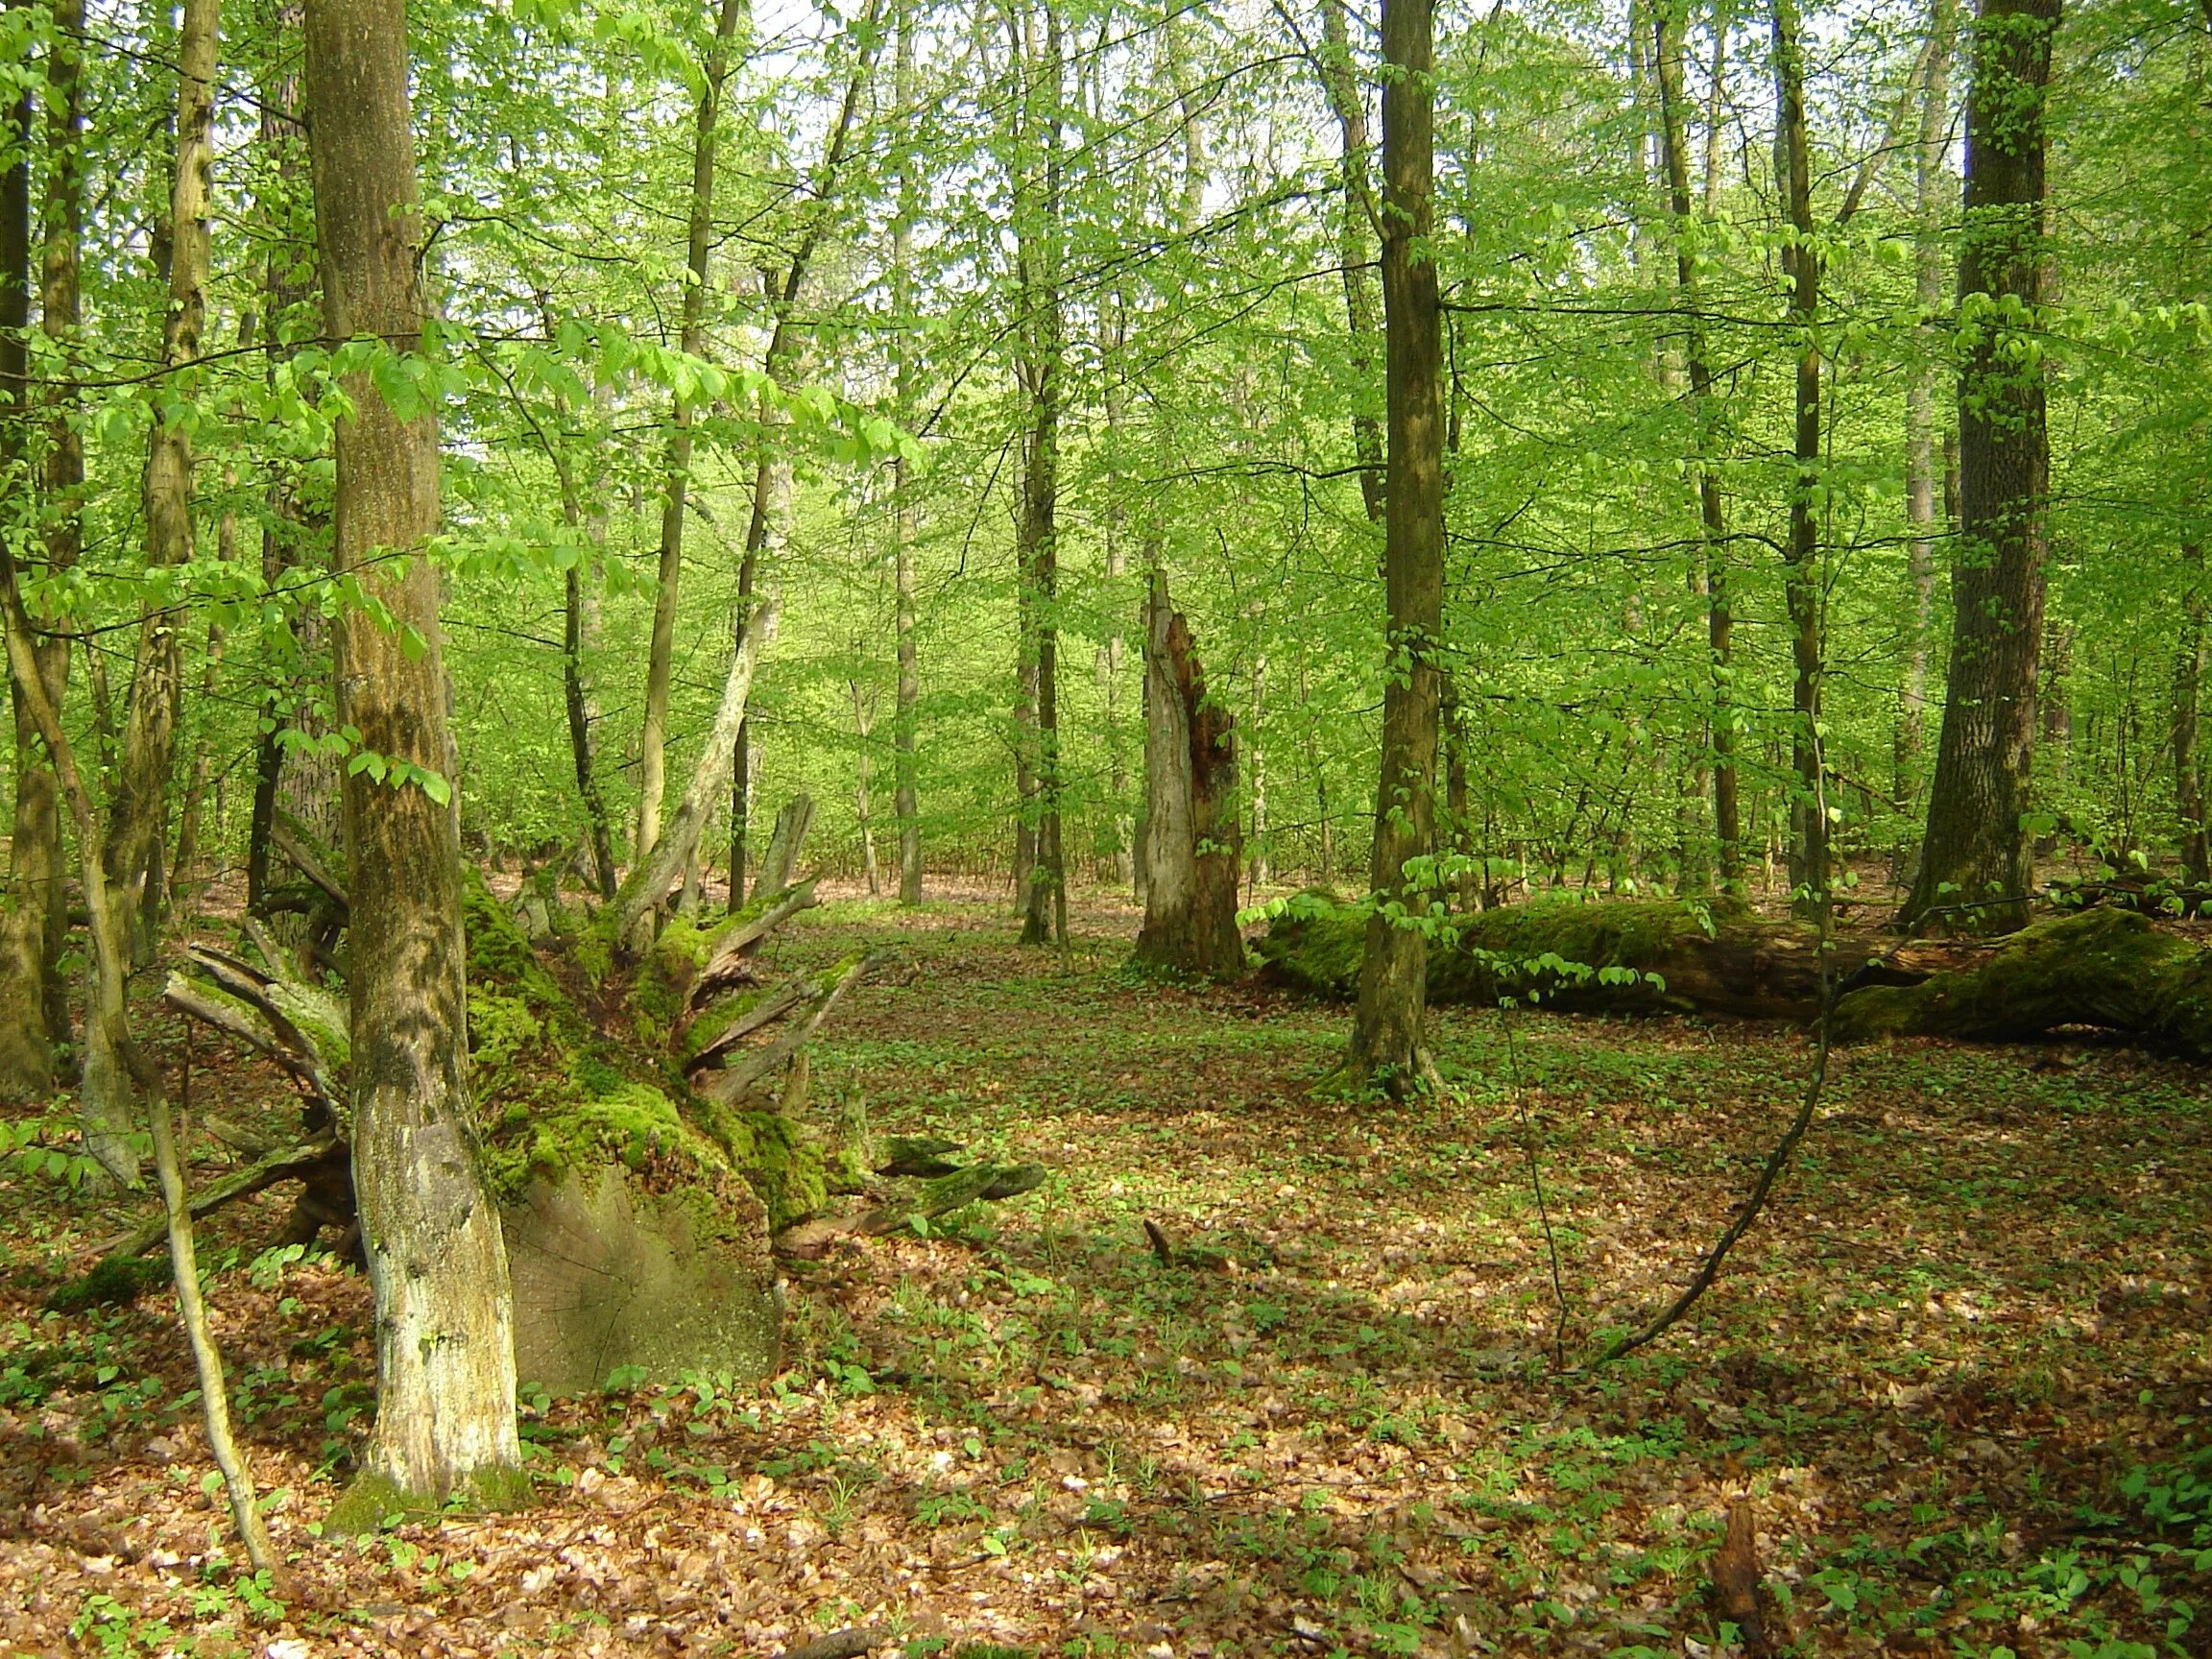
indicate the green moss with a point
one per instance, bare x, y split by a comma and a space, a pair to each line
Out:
366, 1504
372, 1499
784, 1164
1542, 947
714, 1019
501, 1030
633, 1123
114, 1282
499, 956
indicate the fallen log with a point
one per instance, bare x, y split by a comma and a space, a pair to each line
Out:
2111, 969
1629, 957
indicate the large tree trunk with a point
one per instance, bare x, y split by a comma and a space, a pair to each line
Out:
1931, 156
1633, 956
661, 658
437, 1259
1976, 863
1808, 799
2113, 969
1191, 842
1388, 1044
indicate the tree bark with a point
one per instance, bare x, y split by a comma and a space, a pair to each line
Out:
905, 732
137, 816
1388, 1049
1037, 234
1801, 584
2188, 699
661, 659
1191, 841
1348, 102
436, 1259
1976, 863
1711, 511
31, 904
1930, 155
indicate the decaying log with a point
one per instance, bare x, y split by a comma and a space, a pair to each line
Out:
920, 1182
785, 842
1740, 1593
727, 1072
1633, 956
2111, 969
291, 1163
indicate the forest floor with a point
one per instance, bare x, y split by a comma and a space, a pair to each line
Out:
1961, 1367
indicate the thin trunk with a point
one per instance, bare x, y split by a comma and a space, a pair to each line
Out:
301, 783
772, 469
905, 733
1931, 158
661, 659
1389, 1047
1976, 865
137, 815
1801, 583
2196, 834
31, 905
1260, 870
1711, 511
1348, 103
186, 864
578, 639
1037, 229
1113, 654
437, 1259
867, 825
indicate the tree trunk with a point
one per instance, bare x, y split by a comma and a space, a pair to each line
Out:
1930, 154
31, 911
1807, 800
1191, 841
2188, 698
661, 659
860, 797
1712, 511
1388, 1044
1976, 865
1348, 102
137, 817
1038, 232
295, 784
1618, 956
1260, 870
906, 734
437, 1261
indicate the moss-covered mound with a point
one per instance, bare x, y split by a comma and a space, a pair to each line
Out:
560, 1094
2113, 969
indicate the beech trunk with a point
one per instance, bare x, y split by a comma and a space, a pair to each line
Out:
1191, 841
1976, 862
436, 1259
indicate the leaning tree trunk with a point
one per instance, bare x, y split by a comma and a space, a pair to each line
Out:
1388, 1044
1191, 841
1976, 863
437, 1261
661, 658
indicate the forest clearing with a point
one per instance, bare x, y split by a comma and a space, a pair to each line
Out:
1331, 1423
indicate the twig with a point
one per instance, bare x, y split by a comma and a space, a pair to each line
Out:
1536, 1181
1779, 1158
